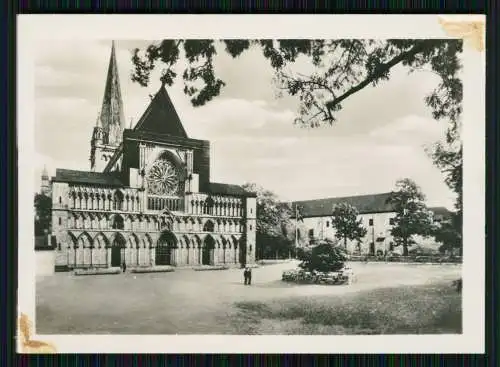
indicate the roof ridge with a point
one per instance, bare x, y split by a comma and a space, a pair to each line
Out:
344, 197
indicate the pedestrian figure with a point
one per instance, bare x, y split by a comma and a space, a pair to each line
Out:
245, 275
249, 276
124, 267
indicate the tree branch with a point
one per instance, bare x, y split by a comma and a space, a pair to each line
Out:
380, 71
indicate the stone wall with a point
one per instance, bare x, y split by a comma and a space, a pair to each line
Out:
44, 262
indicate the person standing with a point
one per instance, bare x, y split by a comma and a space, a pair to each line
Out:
249, 276
124, 267
245, 275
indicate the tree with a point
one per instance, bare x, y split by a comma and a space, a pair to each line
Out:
43, 214
447, 234
342, 68
325, 257
275, 232
346, 223
412, 216
448, 157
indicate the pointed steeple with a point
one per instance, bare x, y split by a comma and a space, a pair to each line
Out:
112, 117
98, 120
44, 172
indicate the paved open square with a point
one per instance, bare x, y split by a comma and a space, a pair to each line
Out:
217, 302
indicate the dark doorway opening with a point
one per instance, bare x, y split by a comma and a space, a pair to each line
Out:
117, 251
163, 252
208, 246
242, 253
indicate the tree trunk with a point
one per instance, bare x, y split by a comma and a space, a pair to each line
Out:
345, 242
276, 254
405, 248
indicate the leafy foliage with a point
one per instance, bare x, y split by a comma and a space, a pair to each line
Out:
43, 210
275, 232
342, 67
412, 216
325, 257
448, 234
346, 223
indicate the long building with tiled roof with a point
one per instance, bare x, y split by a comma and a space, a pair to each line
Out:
147, 199
375, 212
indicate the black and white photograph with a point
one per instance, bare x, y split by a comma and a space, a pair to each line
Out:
227, 188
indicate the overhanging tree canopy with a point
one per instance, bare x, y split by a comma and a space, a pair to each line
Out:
341, 68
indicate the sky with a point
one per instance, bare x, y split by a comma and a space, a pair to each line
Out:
379, 137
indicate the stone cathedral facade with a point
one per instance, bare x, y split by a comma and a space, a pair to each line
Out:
147, 200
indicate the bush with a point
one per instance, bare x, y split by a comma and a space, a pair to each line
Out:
326, 257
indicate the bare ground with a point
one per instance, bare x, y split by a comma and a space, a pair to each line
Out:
216, 302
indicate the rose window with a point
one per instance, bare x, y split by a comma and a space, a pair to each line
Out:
163, 178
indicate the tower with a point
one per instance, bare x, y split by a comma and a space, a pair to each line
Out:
107, 134
45, 187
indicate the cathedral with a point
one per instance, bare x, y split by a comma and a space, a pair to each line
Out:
147, 199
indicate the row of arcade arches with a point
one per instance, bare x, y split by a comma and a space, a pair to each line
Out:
86, 251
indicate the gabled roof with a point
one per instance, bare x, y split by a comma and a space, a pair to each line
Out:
161, 116
232, 190
374, 203
85, 177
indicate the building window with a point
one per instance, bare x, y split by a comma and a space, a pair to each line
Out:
327, 223
370, 222
60, 221
60, 200
391, 221
250, 227
311, 233
251, 211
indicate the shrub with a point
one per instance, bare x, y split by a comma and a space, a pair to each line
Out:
326, 257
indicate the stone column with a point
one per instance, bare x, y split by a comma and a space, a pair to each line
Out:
108, 257
152, 256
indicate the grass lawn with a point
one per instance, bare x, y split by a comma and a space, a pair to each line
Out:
421, 309
387, 298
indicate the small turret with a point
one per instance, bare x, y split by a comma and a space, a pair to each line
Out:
45, 187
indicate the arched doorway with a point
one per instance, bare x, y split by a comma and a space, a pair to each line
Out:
163, 252
118, 250
208, 247
242, 252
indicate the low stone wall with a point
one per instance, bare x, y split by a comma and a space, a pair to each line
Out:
210, 267
45, 261
97, 271
154, 269
273, 261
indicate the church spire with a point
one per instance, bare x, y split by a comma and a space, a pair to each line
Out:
112, 117
45, 174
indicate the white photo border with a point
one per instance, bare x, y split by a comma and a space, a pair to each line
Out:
32, 28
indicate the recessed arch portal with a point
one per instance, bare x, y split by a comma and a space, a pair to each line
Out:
118, 250
209, 245
164, 248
